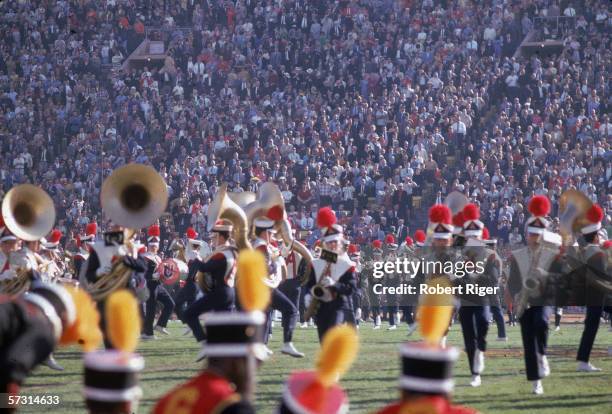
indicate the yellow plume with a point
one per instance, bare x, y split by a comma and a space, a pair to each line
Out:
252, 291
338, 351
434, 313
85, 330
123, 320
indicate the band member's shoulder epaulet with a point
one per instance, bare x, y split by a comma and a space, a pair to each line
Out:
217, 256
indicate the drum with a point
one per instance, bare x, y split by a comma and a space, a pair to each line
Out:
169, 272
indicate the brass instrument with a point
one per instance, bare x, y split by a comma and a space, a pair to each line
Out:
319, 293
269, 196
573, 206
456, 201
17, 280
223, 208
28, 212
133, 196
534, 281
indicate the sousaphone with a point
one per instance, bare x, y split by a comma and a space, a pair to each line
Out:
28, 212
573, 206
133, 196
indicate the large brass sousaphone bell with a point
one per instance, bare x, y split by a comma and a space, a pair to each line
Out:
134, 196
456, 201
243, 198
28, 212
573, 206
269, 196
223, 208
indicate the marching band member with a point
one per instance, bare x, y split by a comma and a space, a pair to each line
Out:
50, 252
227, 386
221, 267
374, 299
596, 260
419, 238
458, 223
331, 281
33, 324
440, 225
408, 251
534, 320
280, 302
392, 280
8, 245
104, 254
426, 383
188, 293
474, 313
354, 316
157, 291
84, 243
318, 392
495, 299
291, 286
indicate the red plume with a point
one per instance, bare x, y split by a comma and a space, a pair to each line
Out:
595, 214
440, 213
471, 212
409, 241
275, 213
485, 234
390, 239
55, 236
539, 206
154, 231
607, 244
91, 229
419, 236
458, 219
376, 244
326, 217
352, 249
191, 233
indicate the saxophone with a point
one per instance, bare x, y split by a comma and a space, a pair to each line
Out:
531, 285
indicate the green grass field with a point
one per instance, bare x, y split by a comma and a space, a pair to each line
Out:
371, 383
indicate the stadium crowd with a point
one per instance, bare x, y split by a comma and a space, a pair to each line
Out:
375, 107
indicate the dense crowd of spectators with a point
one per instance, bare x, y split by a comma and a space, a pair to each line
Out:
378, 108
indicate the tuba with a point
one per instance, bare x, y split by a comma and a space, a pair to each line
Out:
133, 196
223, 208
28, 212
573, 206
269, 196
456, 201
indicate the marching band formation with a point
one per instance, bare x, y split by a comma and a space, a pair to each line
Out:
258, 267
